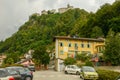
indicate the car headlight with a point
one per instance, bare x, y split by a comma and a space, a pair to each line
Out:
96, 75
85, 75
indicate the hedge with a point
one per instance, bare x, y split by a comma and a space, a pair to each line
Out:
107, 74
7, 65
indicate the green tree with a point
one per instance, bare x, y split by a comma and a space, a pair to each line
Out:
96, 32
9, 61
103, 15
88, 63
69, 61
114, 23
14, 56
45, 59
83, 57
41, 56
112, 48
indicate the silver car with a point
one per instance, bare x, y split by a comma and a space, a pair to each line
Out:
72, 69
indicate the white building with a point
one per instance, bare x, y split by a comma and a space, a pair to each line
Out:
62, 10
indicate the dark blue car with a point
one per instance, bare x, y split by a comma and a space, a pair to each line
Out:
25, 73
9, 74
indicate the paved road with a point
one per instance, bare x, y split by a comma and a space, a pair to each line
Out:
53, 75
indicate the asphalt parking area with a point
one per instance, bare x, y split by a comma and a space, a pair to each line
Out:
53, 75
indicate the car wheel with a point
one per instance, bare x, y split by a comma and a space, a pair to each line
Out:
66, 72
77, 73
28, 78
82, 77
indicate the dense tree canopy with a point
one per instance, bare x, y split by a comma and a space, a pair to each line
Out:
112, 48
41, 56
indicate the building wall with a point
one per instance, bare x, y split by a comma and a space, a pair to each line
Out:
56, 55
64, 50
81, 46
44, 12
62, 10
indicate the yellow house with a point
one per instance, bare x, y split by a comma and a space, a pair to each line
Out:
66, 46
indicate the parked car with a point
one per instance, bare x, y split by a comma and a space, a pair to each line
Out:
31, 68
25, 73
9, 74
73, 69
88, 72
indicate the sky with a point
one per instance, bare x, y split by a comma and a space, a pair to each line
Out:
14, 13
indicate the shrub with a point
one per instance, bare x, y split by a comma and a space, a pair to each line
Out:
80, 64
16, 65
83, 57
7, 65
88, 63
107, 74
69, 61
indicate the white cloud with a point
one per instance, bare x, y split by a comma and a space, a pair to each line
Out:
13, 13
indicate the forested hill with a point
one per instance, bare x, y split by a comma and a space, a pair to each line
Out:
40, 29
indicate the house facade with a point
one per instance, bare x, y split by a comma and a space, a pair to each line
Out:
71, 46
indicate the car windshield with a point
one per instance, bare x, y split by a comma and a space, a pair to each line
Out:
76, 67
88, 69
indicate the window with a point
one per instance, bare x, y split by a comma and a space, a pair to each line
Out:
61, 52
82, 45
76, 45
72, 67
68, 66
69, 45
88, 45
100, 49
61, 44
